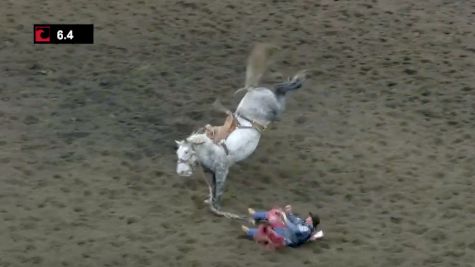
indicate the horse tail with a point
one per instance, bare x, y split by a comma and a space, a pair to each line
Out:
257, 64
293, 84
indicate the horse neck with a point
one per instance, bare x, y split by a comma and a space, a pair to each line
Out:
202, 150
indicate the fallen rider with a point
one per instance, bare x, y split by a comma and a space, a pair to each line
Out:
278, 228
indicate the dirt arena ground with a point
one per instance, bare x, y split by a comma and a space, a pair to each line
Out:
380, 141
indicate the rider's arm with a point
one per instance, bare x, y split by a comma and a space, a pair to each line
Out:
296, 228
294, 219
291, 216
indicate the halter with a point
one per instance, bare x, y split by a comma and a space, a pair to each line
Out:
188, 161
184, 161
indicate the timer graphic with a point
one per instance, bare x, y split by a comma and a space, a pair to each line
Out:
61, 36
63, 33
42, 34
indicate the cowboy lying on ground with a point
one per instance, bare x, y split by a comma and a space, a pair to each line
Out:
285, 227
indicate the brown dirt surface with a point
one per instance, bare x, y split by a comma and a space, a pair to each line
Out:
380, 141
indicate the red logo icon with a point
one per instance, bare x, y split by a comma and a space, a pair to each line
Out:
42, 34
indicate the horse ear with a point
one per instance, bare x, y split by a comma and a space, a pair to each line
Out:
178, 144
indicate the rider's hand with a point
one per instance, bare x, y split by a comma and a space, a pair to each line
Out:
282, 214
288, 208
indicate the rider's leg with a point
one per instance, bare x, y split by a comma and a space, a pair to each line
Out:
250, 232
280, 231
260, 215
284, 233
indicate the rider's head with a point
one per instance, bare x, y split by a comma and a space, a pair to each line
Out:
313, 220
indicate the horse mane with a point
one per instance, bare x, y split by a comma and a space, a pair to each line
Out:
197, 137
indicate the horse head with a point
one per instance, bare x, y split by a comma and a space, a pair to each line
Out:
186, 153
186, 158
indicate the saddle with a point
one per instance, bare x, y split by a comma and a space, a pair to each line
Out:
220, 133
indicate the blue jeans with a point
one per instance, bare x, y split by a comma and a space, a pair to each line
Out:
262, 215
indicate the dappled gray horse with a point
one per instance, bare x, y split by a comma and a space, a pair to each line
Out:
259, 107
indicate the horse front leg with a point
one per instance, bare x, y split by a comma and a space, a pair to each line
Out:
218, 189
219, 179
211, 186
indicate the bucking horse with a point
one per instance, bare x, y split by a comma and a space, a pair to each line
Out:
216, 149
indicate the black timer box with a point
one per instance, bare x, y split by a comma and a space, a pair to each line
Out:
63, 33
